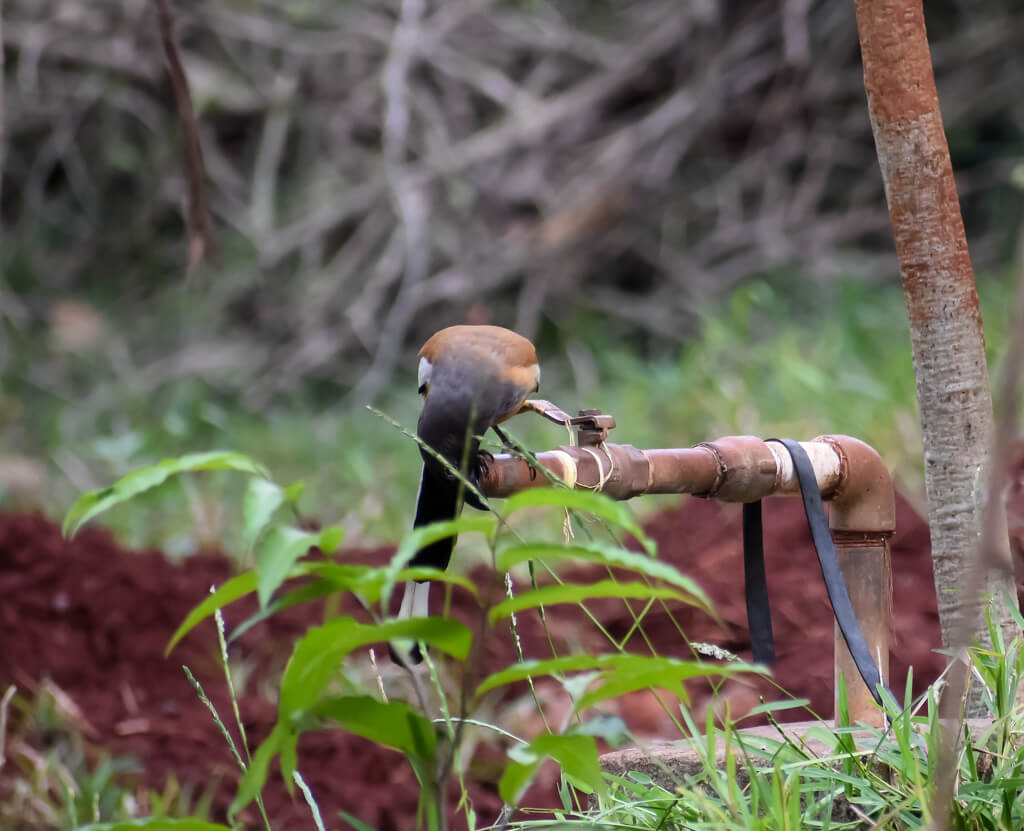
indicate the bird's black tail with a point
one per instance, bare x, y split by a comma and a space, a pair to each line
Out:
439, 499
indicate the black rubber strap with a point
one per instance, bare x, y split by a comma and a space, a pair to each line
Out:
756, 585
759, 615
830, 569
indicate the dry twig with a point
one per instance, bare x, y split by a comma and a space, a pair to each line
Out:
200, 235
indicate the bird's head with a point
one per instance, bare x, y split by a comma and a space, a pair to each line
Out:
479, 356
472, 378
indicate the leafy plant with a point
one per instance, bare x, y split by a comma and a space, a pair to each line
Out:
885, 776
292, 565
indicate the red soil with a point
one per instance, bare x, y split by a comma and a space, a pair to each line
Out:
94, 619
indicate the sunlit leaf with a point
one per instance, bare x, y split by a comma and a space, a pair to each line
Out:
303, 594
259, 767
617, 671
581, 500
640, 672
577, 593
421, 537
369, 582
93, 503
233, 589
609, 555
577, 754
608, 727
322, 649
776, 706
550, 666
391, 723
262, 498
281, 546
294, 491
355, 822
244, 584
156, 824
289, 762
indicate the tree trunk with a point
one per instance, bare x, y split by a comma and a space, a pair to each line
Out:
948, 346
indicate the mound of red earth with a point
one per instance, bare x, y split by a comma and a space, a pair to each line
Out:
94, 620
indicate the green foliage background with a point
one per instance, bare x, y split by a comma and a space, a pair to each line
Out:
680, 203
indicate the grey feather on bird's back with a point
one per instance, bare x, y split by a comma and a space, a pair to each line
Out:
461, 402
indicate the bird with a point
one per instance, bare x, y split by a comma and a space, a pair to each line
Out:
472, 378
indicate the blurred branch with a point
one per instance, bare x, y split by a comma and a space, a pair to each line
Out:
380, 169
408, 198
268, 162
200, 242
3, 128
119, 54
522, 127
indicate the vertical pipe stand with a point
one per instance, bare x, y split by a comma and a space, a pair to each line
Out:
865, 561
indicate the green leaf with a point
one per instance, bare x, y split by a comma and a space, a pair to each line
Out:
294, 491
233, 589
157, 824
259, 767
93, 503
575, 593
419, 537
581, 500
629, 672
246, 583
262, 498
609, 555
610, 728
517, 777
549, 666
303, 594
349, 577
369, 582
776, 706
281, 546
639, 672
391, 723
570, 825
577, 754
290, 762
355, 822
422, 573
323, 648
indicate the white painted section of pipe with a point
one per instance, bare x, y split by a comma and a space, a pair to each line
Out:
570, 473
824, 459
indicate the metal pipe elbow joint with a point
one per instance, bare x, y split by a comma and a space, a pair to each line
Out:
865, 499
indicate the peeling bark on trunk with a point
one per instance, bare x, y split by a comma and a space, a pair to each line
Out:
953, 389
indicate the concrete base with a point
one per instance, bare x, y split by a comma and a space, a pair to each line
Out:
669, 764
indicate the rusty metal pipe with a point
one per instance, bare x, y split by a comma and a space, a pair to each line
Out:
864, 499
733, 469
745, 469
867, 569
862, 518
